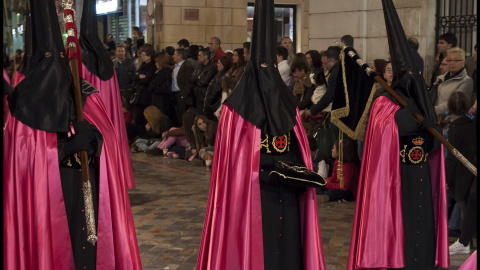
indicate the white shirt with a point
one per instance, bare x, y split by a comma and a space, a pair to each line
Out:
284, 70
175, 87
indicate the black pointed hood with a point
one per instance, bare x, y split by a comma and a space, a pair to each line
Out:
94, 55
407, 79
261, 97
43, 100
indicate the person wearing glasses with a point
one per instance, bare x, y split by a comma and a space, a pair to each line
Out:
456, 79
330, 61
445, 43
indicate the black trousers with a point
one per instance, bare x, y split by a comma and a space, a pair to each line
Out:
84, 253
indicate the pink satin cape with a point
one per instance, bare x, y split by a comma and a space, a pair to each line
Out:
232, 235
470, 263
35, 229
377, 235
110, 94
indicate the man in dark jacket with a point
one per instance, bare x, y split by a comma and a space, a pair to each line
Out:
124, 67
330, 60
182, 87
201, 77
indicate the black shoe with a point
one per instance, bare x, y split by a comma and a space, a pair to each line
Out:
453, 233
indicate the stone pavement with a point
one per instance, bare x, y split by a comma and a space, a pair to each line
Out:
169, 205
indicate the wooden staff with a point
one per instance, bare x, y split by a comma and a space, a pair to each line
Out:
417, 116
73, 62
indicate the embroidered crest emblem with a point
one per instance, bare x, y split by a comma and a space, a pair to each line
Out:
279, 143
415, 155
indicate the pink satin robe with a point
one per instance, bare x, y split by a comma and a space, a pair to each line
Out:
110, 94
232, 234
35, 229
377, 235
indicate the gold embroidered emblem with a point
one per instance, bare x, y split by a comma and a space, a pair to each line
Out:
402, 153
415, 155
281, 143
264, 144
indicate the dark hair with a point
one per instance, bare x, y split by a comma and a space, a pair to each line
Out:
246, 45
413, 43
349, 148
449, 38
183, 42
182, 52
241, 60
320, 78
226, 62
206, 52
135, 28
299, 65
347, 40
128, 41
458, 103
164, 60
332, 53
170, 50
19, 51
380, 65
281, 51
192, 52
148, 49
316, 58
299, 62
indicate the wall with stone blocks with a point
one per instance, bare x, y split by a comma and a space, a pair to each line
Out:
226, 19
364, 20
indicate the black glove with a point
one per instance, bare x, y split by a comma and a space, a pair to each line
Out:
83, 139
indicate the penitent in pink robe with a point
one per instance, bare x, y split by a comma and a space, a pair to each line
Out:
377, 235
232, 234
35, 228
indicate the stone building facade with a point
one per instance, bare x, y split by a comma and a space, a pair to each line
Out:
318, 24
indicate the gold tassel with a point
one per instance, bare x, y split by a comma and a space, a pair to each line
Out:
340, 158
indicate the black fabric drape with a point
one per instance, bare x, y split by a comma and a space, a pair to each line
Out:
261, 97
94, 56
351, 116
43, 100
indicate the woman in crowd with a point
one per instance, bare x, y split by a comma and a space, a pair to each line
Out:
215, 96
303, 87
462, 135
138, 40
333, 191
157, 122
173, 139
314, 60
205, 131
141, 81
456, 79
161, 85
232, 76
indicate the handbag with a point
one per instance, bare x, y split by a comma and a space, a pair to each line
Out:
136, 92
326, 136
290, 173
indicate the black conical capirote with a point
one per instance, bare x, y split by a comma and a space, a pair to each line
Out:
407, 79
261, 97
43, 100
94, 55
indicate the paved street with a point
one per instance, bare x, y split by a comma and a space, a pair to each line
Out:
169, 204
